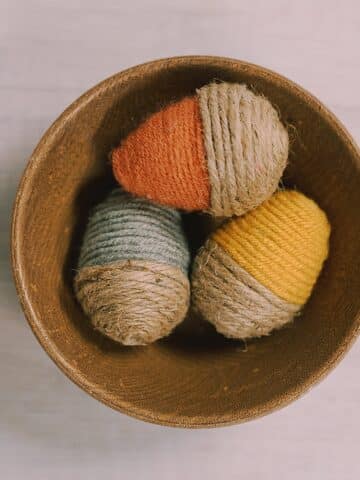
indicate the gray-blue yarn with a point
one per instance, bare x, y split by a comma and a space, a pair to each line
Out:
124, 227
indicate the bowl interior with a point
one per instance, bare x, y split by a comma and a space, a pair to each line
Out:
195, 377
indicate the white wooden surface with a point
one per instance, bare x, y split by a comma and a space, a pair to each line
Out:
50, 52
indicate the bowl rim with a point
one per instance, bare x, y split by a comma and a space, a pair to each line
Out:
36, 324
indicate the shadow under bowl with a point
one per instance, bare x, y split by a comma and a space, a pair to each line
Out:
194, 378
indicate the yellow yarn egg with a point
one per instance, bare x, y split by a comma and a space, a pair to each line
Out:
257, 271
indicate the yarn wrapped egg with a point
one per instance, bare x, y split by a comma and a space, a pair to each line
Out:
222, 150
257, 271
132, 279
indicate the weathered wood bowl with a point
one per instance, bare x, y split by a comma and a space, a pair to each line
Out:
195, 377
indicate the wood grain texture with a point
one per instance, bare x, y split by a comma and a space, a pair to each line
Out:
47, 422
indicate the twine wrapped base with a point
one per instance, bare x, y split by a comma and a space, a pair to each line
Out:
232, 300
133, 302
246, 147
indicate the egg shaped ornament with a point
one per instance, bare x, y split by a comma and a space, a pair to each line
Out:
256, 272
132, 278
222, 150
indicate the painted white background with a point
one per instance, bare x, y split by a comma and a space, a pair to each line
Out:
50, 52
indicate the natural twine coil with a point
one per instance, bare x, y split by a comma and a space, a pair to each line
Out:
223, 151
246, 147
132, 279
257, 271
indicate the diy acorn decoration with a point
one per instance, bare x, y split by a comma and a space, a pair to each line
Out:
257, 271
132, 275
222, 150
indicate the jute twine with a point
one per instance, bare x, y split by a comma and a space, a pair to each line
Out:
246, 147
223, 151
257, 271
232, 300
134, 302
132, 279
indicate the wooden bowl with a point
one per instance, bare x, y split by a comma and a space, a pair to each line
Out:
195, 377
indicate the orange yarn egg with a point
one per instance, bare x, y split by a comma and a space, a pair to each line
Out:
223, 151
164, 159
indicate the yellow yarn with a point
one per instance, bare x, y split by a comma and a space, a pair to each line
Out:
282, 243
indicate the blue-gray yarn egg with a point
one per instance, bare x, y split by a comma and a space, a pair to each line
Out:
132, 278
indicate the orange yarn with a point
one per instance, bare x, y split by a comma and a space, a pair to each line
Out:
177, 175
